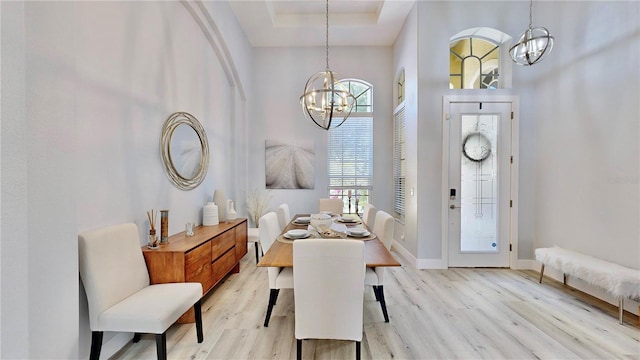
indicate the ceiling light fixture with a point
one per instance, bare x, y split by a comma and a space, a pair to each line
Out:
532, 45
326, 101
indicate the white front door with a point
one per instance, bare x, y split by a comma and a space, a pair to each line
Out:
479, 163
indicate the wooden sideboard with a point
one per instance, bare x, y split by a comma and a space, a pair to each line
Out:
207, 257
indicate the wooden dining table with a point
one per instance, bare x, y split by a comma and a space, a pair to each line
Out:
281, 252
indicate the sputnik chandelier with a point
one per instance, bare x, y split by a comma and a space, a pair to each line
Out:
326, 101
533, 44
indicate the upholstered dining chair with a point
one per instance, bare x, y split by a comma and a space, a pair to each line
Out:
328, 290
279, 278
383, 228
119, 294
335, 206
284, 216
369, 215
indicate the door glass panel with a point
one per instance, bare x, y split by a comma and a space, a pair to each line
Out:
479, 183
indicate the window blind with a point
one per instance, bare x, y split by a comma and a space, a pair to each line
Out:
350, 154
399, 167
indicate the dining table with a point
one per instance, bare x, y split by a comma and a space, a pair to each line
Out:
280, 254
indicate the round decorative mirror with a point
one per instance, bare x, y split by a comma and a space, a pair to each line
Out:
185, 150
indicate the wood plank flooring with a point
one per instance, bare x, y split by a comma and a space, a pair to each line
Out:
434, 314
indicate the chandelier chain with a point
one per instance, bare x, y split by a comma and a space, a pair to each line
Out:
326, 44
530, 14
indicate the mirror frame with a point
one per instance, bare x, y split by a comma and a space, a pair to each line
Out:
176, 119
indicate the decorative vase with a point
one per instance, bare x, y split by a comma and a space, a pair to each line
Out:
231, 212
164, 226
221, 201
210, 214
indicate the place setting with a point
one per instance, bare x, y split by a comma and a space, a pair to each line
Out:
347, 220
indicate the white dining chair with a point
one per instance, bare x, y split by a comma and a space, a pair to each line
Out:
328, 290
119, 294
335, 206
284, 216
279, 278
369, 215
383, 228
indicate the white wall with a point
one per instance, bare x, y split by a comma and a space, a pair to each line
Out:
578, 140
86, 88
587, 132
280, 75
405, 56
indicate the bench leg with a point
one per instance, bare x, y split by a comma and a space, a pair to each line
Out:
541, 273
620, 309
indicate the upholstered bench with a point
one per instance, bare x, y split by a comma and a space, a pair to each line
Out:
619, 281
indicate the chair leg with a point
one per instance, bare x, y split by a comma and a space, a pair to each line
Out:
383, 304
257, 259
96, 345
358, 351
541, 273
197, 309
161, 345
375, 292
273, 296
136, 338
299, 349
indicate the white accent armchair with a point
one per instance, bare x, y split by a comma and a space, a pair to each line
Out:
328, 290
119, 294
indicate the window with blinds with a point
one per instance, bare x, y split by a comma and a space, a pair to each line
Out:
350, 151
399, 165
350, 162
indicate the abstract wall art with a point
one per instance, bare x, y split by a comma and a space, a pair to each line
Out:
289, 165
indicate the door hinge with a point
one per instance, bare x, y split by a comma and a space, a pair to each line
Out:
448, 116
512, 115
512, 159
510, 247
510, 203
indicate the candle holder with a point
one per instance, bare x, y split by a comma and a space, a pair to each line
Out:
164, 226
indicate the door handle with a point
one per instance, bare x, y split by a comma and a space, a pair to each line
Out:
452, 206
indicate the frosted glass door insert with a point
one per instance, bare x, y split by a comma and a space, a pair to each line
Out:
478, 183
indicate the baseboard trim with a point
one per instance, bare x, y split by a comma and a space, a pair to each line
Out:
417, 263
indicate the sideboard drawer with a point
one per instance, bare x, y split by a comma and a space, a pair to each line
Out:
198, 266
221, 244
221, 267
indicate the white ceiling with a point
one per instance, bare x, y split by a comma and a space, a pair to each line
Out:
303, 22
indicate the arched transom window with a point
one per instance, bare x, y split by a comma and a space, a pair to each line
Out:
475, 59
474, 63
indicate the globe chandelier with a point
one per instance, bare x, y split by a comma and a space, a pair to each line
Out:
326, 101
533, 44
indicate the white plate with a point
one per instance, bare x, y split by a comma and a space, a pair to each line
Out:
303, 220
347, 220
286, 235
358, 233
297, 234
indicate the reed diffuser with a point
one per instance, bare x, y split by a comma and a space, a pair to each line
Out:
153, 239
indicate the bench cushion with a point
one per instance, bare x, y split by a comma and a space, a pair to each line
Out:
618, 280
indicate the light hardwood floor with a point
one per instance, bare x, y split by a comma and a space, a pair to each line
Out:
434, 314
